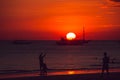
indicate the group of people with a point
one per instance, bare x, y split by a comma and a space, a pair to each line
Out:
43, 66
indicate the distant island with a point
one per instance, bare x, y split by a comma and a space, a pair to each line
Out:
21, 42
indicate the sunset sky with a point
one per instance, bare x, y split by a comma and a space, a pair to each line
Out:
52, 19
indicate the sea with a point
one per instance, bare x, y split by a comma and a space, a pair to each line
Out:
87, 56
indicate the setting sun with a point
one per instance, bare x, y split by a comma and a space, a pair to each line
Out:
71, 36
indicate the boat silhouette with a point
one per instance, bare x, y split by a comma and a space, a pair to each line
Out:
72, 42
64, 41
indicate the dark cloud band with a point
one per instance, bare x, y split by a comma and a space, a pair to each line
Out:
115, 0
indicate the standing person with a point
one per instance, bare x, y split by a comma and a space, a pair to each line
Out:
105, 63
41, 61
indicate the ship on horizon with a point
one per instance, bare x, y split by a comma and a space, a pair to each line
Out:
71, 42
64, 41
21, 42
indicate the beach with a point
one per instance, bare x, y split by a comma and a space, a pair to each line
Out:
62, 75
111, 76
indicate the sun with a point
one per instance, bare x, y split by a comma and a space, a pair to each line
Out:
70, 36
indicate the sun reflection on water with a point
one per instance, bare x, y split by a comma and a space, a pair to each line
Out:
71, 72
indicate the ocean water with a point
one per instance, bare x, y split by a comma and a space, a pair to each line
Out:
87, 56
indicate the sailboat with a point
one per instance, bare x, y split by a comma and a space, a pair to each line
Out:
73, 42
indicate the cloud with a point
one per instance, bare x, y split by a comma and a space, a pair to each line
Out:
114, 3
115, 0
116, 6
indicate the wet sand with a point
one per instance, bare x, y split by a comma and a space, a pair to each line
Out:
112, 76
62, 75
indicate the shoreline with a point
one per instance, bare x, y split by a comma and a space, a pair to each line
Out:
54, 73
94, 76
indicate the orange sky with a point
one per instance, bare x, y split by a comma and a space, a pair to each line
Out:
52, 19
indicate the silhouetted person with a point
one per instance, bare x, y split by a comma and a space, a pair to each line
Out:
105, 64
41, 61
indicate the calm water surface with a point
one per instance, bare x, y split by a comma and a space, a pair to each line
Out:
25, 56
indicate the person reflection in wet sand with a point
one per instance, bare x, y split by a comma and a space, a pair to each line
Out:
105, 64
41, 62
44, 69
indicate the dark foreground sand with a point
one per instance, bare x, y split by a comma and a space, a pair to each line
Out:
93, 76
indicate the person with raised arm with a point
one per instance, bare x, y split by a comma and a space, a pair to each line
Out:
41, 61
